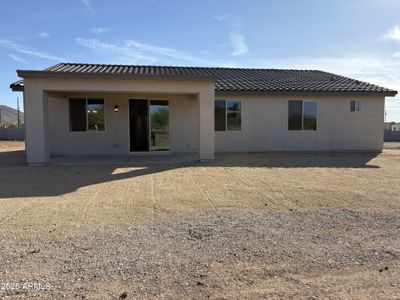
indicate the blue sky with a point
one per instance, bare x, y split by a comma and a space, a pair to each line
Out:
356, 38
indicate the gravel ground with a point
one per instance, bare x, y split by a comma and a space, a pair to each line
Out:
334, 254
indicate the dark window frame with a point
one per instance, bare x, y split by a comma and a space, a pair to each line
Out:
292, 126
226, 111
354, 107
85, 128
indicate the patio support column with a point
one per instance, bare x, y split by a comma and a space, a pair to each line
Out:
36, 123
206, 124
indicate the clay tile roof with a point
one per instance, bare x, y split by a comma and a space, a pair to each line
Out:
227, 79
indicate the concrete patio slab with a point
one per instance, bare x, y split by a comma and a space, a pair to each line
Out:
128, 160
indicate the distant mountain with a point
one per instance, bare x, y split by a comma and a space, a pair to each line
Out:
9, 115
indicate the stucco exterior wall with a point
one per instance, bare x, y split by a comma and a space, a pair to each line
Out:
183, 124
47, 124
265, 125
264, 119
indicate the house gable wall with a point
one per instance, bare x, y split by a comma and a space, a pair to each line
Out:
265, 125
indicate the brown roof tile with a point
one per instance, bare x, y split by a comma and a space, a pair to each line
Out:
229, 79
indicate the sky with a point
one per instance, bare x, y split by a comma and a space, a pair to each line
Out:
355, 38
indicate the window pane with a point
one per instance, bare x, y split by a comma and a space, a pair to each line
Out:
234, 115
295, 114
310, 115
352, 106
358, 106
159, 124
220, 115
77, 114
95, 110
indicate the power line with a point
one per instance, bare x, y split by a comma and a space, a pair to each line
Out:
18, 111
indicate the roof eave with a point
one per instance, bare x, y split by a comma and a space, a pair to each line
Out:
51, 74
19, 88
304, 93
16, 88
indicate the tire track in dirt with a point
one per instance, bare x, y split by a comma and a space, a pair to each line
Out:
88, 211
238, 177
204, 192
153, 197
195, 204
13, 214
268, 186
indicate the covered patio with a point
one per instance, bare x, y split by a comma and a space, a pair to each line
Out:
54, 116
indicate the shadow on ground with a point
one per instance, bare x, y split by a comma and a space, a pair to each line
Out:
19, 180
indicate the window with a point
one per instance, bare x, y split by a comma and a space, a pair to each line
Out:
355, 106
77, 114
295, 114
95, 111
302, 115
86, 114
310, 115
220, 115
234, 118
159, 125
228, 115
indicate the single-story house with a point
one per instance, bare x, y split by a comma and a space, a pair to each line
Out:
395, 127
387, 126
93, 109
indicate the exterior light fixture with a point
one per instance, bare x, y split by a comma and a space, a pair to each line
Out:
116, 108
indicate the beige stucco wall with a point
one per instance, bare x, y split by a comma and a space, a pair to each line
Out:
264, 119
183, 125
47, 121
265, 125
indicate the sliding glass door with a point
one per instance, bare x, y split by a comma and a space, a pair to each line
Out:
159, 125
149, 125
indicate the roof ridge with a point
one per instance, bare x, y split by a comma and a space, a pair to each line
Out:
181, 67
53, 67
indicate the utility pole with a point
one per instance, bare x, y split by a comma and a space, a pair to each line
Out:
0, 116
17, 112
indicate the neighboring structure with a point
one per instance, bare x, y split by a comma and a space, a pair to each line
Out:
75, 109
391, 132
395, 127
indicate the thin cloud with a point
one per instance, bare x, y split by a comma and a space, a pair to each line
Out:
235, 21
132, 51
393, 34
222, 18
44, 35
396, 54
238, 43
237, 39
100, 30
122, 53
166, 52
17, 58
88, 7
25, 50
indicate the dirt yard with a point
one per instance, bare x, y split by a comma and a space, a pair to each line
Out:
271, 225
